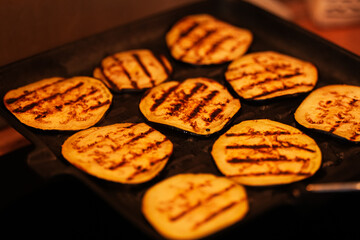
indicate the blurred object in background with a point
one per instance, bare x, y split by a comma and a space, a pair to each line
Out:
334, 13
32, 27
337, 21
277, 7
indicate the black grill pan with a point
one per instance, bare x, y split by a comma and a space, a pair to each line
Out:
191, 153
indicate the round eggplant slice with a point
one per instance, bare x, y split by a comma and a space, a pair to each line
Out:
266, 75
60, 103
133, 70
334, 109
200, 106
192, 206
263, 152
128, 153
201, 39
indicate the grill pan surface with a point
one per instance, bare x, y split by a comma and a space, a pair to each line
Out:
191, 153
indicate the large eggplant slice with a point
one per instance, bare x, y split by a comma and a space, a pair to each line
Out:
60, 103
129, 153
200, 106
192, 206
263, 152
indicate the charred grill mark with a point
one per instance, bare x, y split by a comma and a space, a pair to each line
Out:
26, 93
99, 142
218, 43
269, 68
161, 60
273, 146
186, 32
141, 135
138, 170
34, 104
152, 163
269, 80
342, 117
275, 173
42, 115
274, 67
214, 114
311, 121
71, 102
244, 74
143, 67
120, 63
214, 47
26, 108
141, 64
108, 80
186, 97
353, 102
199, 203
117, 165
141, 169
115, 146
216, 213
285, 87
80, 98
151, 147
198, 42
290, 75
280, 158
131, 125
159, 101
197, 109
323, 108
237, 67
333, 128
259, 133
355, 135
100, 104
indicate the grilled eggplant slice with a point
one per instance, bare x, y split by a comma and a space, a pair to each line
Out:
266, 75
334, 109
128, 153
201, 39
194, 206
133, 70
60, 103
263, 152
200, 106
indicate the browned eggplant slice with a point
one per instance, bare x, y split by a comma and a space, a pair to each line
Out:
333, 109
194, 206
197, 105
266, 75
128, 153
201, 39
263, 152
133, 70
60, 103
